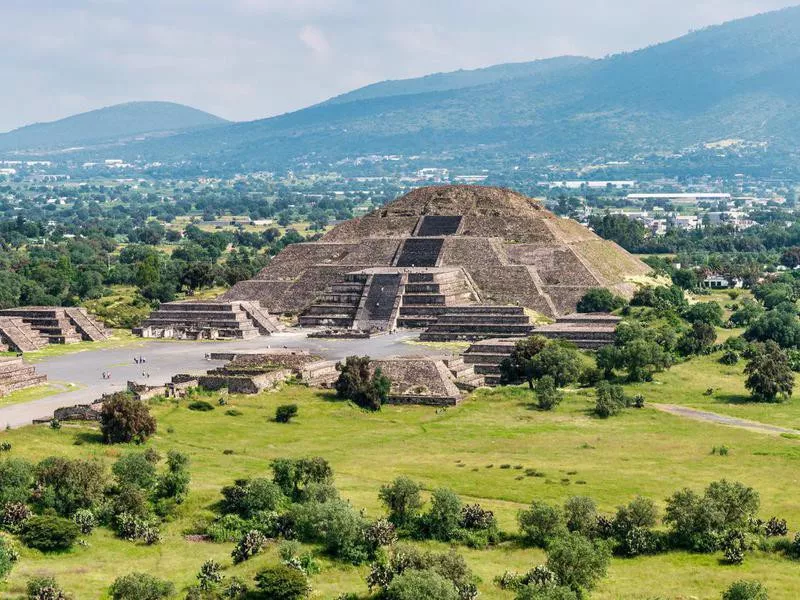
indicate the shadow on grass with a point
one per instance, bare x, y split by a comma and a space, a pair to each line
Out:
88, 437
733, 399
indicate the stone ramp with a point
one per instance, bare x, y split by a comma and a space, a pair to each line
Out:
19, 336
51, 321
378, 305
438, 225
420, 252
265, 322
90, 330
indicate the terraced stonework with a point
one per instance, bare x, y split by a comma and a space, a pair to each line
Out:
507, 247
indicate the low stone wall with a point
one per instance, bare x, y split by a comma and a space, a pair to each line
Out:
423, 400
79, 412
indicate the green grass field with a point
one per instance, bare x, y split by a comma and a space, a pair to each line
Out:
640, 452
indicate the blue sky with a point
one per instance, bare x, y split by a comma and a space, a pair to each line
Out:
247, 59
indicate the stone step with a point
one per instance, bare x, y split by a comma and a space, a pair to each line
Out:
459, 319
192, 306
90, 330
486, 329
157, 321
343, 321
326, 309
424, 299
415, 322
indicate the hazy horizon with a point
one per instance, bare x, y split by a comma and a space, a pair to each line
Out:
250, 59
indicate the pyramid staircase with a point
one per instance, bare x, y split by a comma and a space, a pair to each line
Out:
19, 336
466, 377
16, 375
90, 329
477, 322
208, 320
485, 357
338, 305
429, 294
51, 321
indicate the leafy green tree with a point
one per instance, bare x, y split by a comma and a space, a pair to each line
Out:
402, 499
769, 374
627, 232
296, 476
685, 279
357, 383
16, 478
698, 340
779, 326
610, 400
282, 583
541, 523
416, 584
135, 469
747, 313
559, 360
580, 515
66, 485
709, 313
578, 563
442, 521
123, 420
519, 366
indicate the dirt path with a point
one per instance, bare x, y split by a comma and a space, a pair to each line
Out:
710, 417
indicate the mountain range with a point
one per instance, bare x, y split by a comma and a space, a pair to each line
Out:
738, 80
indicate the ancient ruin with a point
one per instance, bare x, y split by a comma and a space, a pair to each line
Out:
423, 259
17, 375
208, 320
251, 373
54, 325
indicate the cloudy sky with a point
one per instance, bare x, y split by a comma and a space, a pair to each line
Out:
247, 59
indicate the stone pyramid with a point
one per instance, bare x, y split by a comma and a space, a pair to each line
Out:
506, 247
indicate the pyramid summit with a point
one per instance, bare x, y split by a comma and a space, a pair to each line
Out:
441, 246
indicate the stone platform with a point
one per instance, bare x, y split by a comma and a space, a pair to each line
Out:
477, 322
19, 336
60, 325
208, 320
17, 375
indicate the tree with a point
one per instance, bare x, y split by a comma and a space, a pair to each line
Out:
16, 477
541, 523
769, 374
441, 522
8, 557
704, 312
366, 389
577, 562
44, 588
402, 499
140, 586
559, 360
781, 327
135, 469
747, 313
610, 400
685, 279
599, 300
519, 366
49, 533
282, 583
698, 340
123, 419
580, 514
66, 485
627, 232
295, 476
547, 394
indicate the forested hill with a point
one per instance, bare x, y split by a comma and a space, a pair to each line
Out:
109, 124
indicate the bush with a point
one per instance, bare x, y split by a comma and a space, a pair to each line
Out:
776, 527
66, 485
285, 413
282, 583
48, 533
200, 406
769, 375
135, 469
580, 514
610, 400
402, 499
709, 313
85, 520
599, 300
8, 557
414, 585
547, 395
174, 484
140, 586
14, 515
16, 476
535, 592
441, 522
210, 575
729, 357
296, 476
249, 496
356, 383
576, 562
44, 588
341, 529
123, 420
541, 523
745, 590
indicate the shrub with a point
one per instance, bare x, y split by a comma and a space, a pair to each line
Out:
547, 395
557, 592
580, 514
200, 406
415, 584
249, 496
44, 588
356, 383
776, 527
336, 525
576, 562
289, 552
402, 499
709, 313
519, 366
248, 545
541, 523
380, 533
66, 485
282, 583
698, 340
49, 533
610, 400
442, 520
134, 527
140, 586
590, 376
729, 357
135, 469
210, 575
285, 413
734, 545
85, 520
599, 300
295, 476
559, 360
16, 476
123, 420
174, 484
234, 412
745, 590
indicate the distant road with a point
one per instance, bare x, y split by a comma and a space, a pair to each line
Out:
711, 417
166, 358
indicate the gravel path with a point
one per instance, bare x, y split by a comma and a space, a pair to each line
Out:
166, 358
710, 417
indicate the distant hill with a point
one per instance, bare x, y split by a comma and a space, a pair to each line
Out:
440, 82
111, 124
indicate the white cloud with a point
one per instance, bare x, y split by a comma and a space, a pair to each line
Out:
315, 40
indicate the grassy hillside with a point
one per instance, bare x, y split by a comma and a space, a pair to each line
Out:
640, 452
108, 124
